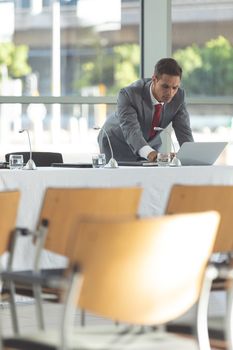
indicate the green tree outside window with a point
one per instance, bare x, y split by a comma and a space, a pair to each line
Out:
207, 70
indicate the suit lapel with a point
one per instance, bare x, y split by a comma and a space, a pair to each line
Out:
147, 108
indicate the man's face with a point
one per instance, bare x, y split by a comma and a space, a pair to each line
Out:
165, 87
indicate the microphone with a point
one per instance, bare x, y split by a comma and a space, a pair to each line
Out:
175, 161
112, 162
30, 164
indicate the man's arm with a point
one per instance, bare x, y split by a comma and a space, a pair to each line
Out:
128, 114
148, 152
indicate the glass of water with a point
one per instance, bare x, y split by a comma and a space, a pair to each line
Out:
163, 159
16, 161
98, 160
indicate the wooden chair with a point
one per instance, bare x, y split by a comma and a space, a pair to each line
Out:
194, 198
60, 210
62, 205
42, 159
139, 272
9, 202
190, 198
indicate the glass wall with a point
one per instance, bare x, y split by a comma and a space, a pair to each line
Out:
75, 136
63, 64
202, 42
77, 49
68, 47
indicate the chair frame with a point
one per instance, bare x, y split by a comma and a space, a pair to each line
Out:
89, 252
67, 205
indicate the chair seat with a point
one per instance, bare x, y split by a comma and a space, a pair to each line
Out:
49, 293
105, 338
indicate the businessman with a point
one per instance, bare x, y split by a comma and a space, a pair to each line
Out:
142, 106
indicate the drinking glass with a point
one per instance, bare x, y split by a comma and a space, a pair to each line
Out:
163, 159
16, 161
98, 160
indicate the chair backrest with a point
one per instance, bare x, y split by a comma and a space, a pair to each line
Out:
186, 199
63, 206
40, 158
9, 202
145, 271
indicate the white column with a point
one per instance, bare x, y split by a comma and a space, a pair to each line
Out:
56, 70
156, 34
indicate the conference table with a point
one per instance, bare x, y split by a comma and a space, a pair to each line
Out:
156, 183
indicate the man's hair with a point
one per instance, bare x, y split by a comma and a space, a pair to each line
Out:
167, 66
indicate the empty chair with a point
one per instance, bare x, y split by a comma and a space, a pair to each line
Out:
60, 210
138, 272
194, 198
9, 202
62, 206
42, 159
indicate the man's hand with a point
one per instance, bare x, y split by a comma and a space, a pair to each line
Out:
152, 156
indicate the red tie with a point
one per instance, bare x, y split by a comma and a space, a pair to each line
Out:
156, 119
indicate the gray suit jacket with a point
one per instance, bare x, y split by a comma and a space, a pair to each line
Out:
129, 127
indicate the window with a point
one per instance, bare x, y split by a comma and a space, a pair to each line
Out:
63, 48
60, 49
202, 42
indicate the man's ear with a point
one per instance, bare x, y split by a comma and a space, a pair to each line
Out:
154, 78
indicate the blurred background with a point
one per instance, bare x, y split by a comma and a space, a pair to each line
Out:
62, 63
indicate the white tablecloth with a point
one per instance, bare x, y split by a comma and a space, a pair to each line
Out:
156, 183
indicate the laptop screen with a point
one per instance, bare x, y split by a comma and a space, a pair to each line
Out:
200, 153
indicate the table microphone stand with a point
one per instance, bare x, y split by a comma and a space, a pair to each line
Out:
112, 162
30, 165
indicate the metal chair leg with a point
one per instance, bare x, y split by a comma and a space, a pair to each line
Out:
202, 309
229, 316
83, 318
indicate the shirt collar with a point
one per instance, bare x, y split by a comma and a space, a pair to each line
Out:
153, 99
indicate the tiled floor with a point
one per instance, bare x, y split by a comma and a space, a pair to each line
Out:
53, 312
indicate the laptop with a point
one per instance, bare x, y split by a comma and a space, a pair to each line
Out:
200, 153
